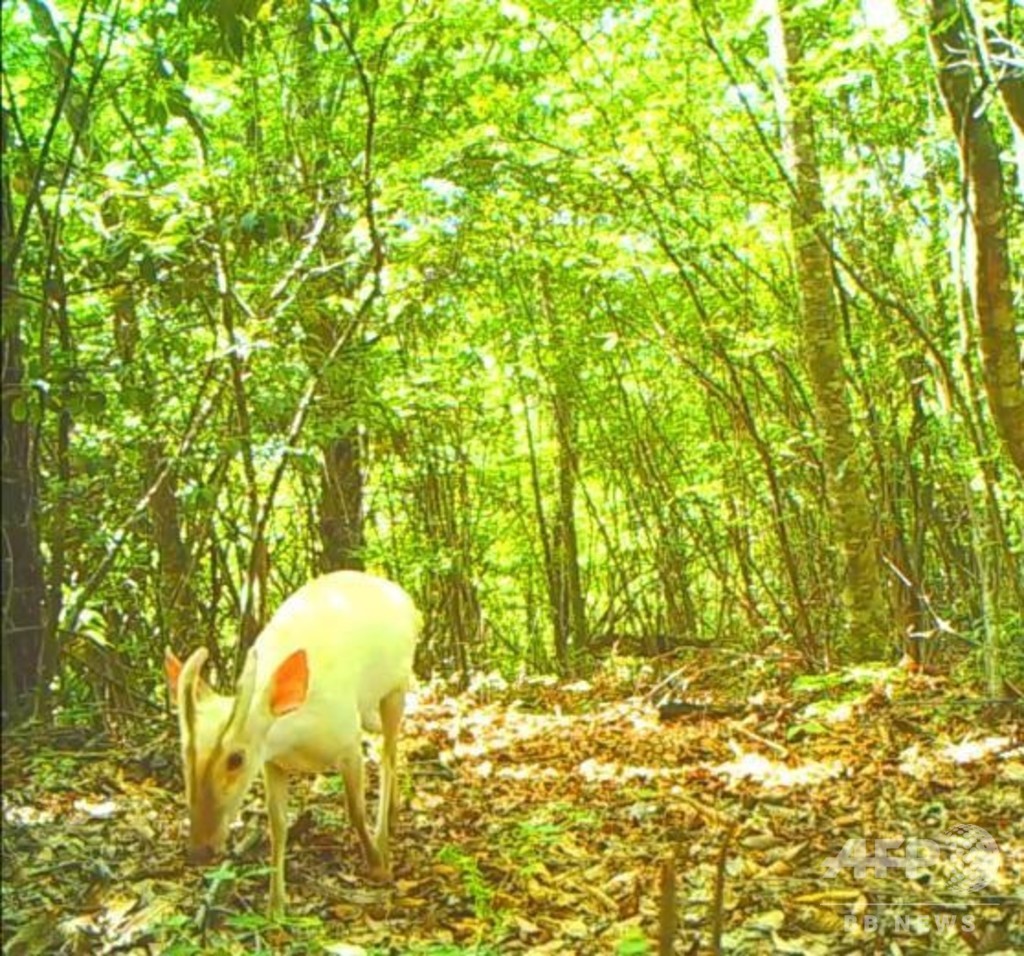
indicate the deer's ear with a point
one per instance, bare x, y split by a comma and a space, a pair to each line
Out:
172, 668
290, 684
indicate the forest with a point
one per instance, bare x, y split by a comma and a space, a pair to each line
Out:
668, 355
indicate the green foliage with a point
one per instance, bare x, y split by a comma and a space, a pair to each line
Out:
224, 873
852, 678
558, 240
806, 728
248, 932
633, 944
474, 883
52, 772
443, 949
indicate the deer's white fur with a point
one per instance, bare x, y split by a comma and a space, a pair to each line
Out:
336, 659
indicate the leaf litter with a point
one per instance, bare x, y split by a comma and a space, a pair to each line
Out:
538, 817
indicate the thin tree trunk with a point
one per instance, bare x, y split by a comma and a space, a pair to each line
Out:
567, 596
864, 597
444, 506
178, 603
567, 601
561, 639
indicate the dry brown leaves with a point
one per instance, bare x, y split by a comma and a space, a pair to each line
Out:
536, 818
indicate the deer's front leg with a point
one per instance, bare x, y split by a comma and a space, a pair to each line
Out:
276, 781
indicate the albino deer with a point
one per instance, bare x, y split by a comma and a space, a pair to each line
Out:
334, 660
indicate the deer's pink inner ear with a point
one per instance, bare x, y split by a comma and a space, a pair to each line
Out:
172, 667
290, 684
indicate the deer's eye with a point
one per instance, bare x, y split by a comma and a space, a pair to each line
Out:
235, 760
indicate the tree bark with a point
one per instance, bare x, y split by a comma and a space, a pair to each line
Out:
178, 603
979, 154
443, 502
567, 589
866, 608
341, 504
340, 511
1006, 58
566, 586
21, 583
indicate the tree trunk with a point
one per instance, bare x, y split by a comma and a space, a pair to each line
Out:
443, 504
1006, 58
864, 598
567, 588
21, 582
341, 504
180, 617
993, 295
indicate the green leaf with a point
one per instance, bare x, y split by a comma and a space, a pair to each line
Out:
808, 729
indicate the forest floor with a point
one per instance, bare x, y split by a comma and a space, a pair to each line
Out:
568, 818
